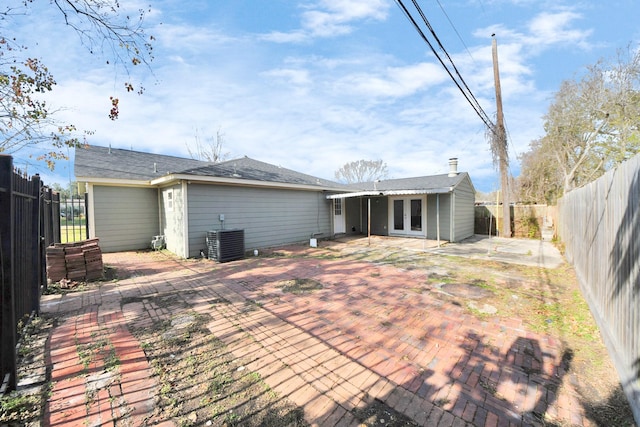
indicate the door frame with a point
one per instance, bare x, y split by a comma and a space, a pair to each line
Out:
406, 212
339, 220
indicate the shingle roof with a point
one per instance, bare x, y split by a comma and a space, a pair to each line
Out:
114, 163
431, 182
104, 162
247, 168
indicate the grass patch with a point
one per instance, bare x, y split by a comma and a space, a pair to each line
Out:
19, 407
25, 407
72, 233
202, 383
300, 286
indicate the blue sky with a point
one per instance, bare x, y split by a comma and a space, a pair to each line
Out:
311, 85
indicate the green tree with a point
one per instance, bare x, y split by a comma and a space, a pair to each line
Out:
362, 171
591, 126
540, 179
28, 121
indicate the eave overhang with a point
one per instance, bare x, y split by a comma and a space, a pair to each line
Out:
172, 178
374, 193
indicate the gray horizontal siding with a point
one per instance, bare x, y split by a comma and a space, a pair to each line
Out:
126, 218
269, 217
464, 211
445, 216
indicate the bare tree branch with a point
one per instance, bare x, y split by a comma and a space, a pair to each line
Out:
26, 120
362, 171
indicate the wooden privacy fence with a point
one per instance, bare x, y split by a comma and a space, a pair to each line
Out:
527, 221
600, 227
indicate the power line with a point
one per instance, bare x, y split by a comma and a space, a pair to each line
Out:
456, 30
459, 80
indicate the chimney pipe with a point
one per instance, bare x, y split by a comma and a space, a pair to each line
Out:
453, 166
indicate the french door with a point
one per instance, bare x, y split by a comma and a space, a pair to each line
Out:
406, 216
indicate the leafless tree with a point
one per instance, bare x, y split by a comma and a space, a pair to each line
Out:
209, 151
362, 171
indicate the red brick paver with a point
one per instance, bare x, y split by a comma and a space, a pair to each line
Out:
364, 335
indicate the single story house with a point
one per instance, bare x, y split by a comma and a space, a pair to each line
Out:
134, 196
437, 207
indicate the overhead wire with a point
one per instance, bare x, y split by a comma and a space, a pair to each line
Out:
456, 30
459, 81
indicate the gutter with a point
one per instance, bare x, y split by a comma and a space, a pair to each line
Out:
372, 193
238, 182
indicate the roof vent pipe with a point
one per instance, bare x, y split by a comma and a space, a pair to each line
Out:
453, 166
155, 168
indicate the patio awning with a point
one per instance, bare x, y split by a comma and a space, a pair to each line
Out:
372, 193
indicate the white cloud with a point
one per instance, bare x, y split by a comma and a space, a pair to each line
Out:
291, 76
393, 81
305, 99
331, 18
550, 28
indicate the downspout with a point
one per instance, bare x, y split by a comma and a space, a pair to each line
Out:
452, 223
185, 218
91, 212
159, 194
438, 218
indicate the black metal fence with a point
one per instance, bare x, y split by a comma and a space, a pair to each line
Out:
74, 226
28, 224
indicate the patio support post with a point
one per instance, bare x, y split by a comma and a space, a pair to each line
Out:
369, 219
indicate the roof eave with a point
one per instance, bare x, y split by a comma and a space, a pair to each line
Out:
114, 181
171, 178
371, 193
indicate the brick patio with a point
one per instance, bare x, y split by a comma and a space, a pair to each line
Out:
362, 336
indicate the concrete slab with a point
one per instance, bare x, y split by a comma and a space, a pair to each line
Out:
532, 252
538, 253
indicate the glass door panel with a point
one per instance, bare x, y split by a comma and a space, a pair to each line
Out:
416, 215
398, 215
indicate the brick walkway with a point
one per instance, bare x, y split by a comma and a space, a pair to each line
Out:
363, 336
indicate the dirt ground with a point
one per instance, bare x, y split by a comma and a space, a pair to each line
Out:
201, 383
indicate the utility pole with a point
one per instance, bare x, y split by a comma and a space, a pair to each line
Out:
499, 146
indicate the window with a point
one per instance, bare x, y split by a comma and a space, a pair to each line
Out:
170, 200
337, 207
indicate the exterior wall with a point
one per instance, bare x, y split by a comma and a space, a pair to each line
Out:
269, 217
464, 211
172, 218
445, 216
379, 215
354, 225
124, 218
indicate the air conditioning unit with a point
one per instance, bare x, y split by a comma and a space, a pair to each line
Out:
225, 245
157, 243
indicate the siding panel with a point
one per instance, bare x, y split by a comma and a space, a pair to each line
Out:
445, 216
269, 217
464, 211
126, 218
